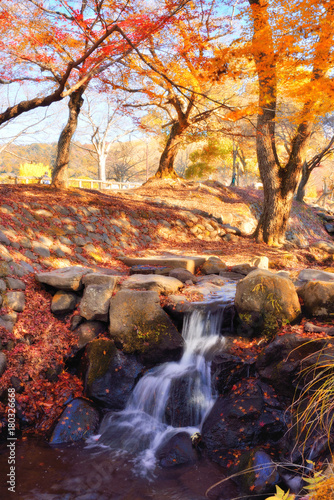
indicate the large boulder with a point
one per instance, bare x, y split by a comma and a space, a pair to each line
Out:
95, 302
265, 300
139, 325
282, 362
79, 420
111, 375
154, 282
318, 297
67, 278
249, 416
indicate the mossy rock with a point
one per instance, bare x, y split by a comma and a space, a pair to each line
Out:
99, 353
111, 375
264, 301
139, 325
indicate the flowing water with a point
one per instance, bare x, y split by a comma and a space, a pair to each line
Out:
120, 463
145, 424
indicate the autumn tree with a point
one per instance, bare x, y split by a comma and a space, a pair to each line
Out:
178, 72
292, 46
64, 47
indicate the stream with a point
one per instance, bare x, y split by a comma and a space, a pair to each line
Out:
120, 462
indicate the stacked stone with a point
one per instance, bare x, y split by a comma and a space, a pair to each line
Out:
84, 234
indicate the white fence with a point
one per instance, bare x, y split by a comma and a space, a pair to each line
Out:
80, 183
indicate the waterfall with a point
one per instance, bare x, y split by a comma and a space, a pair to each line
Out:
174, 396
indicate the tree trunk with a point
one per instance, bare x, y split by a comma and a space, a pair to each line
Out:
102, 167
302, 183
279, 181
59, 174
166, 164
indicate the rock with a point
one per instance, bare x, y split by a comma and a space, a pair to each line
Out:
299, 240
260, 262
75, 321
153, 282
3, 362
79, 420
177, 308
329, 227
95, 302
79, 241
40, 249
309, 327
183, 407
318, 297
190, 263
4, 254
139, 325
15, 300
259, 472
24, 268
213, 265
315, 275
323, 245
164, 271
100, 279
247, 227
67, 278
226, 219
281, 361
182, 275
263, 300
8, 325
88, 331
230, 238
4, 239
243, 269
176, 450
210, 278
227, 370
2, 286
111, 375
6, 209
15, 284
231, 229
64, 302
248, 417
